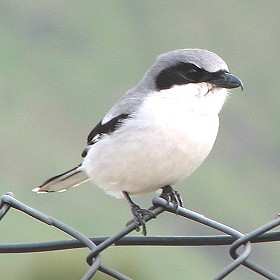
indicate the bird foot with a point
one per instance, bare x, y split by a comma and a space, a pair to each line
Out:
172, 196
138, 217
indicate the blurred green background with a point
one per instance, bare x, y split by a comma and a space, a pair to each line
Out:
64, 63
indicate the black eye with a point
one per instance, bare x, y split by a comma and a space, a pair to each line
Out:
193, 73
179, 74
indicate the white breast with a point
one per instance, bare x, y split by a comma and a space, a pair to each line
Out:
162, 144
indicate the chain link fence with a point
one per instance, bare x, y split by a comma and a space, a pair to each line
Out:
97, 245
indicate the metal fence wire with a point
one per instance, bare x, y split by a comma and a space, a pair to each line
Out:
97, 245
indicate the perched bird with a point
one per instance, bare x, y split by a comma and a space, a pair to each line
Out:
158, 133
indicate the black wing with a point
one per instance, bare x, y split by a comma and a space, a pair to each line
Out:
102, 129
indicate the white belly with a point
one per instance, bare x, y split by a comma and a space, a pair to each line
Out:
162, 145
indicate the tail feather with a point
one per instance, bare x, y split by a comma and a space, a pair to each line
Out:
64, 181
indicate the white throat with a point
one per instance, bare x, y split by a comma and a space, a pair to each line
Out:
201, 98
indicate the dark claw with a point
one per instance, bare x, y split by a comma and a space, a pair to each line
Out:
138, 217
172, 196
138, 214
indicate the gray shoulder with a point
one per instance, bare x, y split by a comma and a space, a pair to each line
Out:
128, 104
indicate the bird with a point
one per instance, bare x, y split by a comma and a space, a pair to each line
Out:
158, 133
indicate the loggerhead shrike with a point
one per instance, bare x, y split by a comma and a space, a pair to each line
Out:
158, 133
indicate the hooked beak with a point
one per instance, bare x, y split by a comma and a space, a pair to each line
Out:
227, 80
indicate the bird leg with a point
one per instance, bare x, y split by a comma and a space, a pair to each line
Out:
170, 195
138, 214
